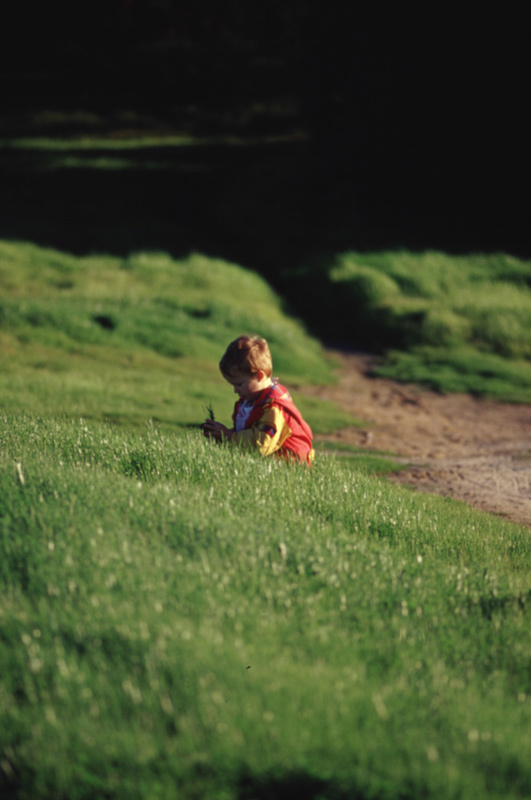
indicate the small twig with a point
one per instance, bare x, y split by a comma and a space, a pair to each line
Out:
210, 412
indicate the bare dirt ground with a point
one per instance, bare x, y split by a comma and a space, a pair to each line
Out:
474, 450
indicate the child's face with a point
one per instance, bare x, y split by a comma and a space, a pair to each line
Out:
248, 387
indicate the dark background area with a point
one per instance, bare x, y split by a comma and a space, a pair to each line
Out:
315, 127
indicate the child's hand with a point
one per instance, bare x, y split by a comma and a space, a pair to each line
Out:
216, 430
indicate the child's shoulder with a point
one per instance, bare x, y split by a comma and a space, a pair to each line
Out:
278, 394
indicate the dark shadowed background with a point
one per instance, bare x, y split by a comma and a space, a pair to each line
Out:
312, 127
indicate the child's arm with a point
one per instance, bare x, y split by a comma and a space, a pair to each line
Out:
267, 435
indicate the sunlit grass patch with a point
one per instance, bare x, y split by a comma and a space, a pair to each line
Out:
107, 337
359, 458
177, 613
421, 311
184, 618
462, 370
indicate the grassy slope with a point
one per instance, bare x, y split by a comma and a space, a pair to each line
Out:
179, 618
139, 338
472, 324
176, 614
453, 323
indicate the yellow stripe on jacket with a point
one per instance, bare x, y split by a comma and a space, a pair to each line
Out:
267, 435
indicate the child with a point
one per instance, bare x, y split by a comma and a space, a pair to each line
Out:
265, 417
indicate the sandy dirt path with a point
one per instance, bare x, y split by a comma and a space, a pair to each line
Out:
474, 450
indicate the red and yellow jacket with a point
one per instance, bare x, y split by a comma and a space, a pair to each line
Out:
275, 425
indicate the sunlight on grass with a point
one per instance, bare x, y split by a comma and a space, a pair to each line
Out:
181, 618
106, 337
179, 614
453, 323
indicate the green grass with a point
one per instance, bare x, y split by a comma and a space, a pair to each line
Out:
464, 322
461, 369
368, 462
140, 338
182, 619
454, 323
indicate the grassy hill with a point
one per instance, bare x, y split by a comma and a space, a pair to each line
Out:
182, 619
454, 323
139, 338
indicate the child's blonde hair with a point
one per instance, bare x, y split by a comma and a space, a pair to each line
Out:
247, 354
